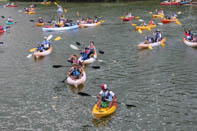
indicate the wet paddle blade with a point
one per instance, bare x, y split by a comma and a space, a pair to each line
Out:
179, 12
102, 21
150, 12
31, 20
162, 44
140, 31
77, 13
101, 52
65, 10
74, 47
140, 20
49, 37
32, 50
29, 56
96, 67
121, 17
57, 38
1, 43
78, 43
137, 17
133, 24
150, 47
178, 22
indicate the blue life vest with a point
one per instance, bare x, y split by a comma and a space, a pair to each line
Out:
75, 72
107, 97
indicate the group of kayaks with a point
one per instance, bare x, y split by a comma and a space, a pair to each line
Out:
177, 2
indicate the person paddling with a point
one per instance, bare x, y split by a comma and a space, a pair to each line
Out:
85, 54
40, 20
157, 35
151, 22
92, 49
75, 72
188, 34
46, 43
40, 47
10, 19
106, 97
74, 59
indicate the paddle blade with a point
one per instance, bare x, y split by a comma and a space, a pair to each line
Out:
55, 3
179, 12
31, 20
96, 67
78, 43
101, 52
49, 37
160, 23
178, 22
162, 44
137, 17
1, 43
83, 94
32, 50
57, 66
29, 56
74, 47
140, 31
140, 20
150, 47
2, 16
133, 24
77, 13
65, 10
57, 38
121, 17
150, 12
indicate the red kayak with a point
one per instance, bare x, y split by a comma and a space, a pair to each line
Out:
171, 3
12, 6
166, 21
128, 18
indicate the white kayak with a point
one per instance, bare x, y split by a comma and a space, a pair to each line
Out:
77, 82
90, 60
60, 28
38, 54
190, 43
143, 46
93, 24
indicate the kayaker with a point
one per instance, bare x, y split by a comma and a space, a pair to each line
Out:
157, 35
85, 54
96, 19
106, 97
148, 40
151, 22
10, 19
128, 15
160, 11
26, 9
40, 47
156, 12
1, 28
188, 34
75, 71
46, 43
194, 37
91, 49
74, 59
40, 20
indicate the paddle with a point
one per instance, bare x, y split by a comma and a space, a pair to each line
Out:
59, 66
140, 31
31, 20
2, 16
150, 47
86, 94
30, 55
1, 43
178, 22
100, 51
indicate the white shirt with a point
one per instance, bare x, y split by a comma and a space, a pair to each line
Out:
110, 92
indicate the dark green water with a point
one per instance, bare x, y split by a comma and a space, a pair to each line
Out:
161, 83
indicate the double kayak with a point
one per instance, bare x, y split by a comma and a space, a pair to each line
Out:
158, 16
127, 18
89, 25
38, 54
103, 112
146, 27
40, 24
50, 28
144, 46
9, 23
77, 82
171, 3
166, 21
89, 60
30, 12
190, 43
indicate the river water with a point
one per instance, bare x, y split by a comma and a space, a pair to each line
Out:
160, 82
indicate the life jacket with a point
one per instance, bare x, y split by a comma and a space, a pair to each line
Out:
1, 28
106, 97
10, 20
75, 72
151, 22
41, 21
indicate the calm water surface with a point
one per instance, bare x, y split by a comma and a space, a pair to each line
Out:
161, 83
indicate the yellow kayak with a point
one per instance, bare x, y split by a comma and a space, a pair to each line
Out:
103, 111
40, 24
31, 12
145, 27
158, 16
